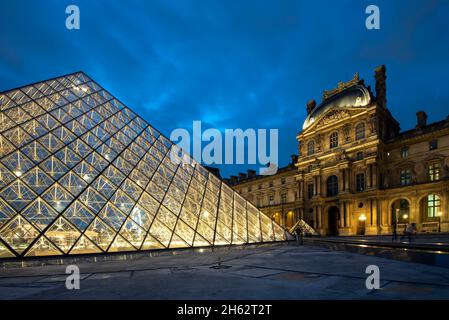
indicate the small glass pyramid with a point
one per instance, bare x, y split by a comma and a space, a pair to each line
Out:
81, 173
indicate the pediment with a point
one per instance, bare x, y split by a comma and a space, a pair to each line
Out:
334, 116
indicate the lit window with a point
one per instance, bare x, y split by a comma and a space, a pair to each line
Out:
332, 186
434, 171
404, 152
360, 182
311, 148
433, 205
333, 140
406, 177
360, 131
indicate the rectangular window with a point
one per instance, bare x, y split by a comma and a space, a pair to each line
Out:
404, 152
283, 180
434, 171
406, 177
433, 144
250, 189
271, 184
310, 191
271, 200
433, 205
284, 198
260, 186
359, 156
360, 181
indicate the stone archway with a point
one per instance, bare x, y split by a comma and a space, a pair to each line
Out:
400, 211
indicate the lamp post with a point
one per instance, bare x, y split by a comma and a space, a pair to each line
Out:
439, 220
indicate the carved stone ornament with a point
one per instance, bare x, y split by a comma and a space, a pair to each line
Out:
372, 123
347, 131
333, 116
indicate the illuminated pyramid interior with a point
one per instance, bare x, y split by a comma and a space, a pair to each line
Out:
80, 173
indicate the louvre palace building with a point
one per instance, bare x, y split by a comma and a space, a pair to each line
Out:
356, 172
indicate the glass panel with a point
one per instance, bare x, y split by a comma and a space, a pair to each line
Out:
19, 234
63, 234
57, 197
18, 195
38, 180
43, 248
79, 215
100, 234
112, 216
54, 167
84, 246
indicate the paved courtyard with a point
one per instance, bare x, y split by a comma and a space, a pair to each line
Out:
267, 272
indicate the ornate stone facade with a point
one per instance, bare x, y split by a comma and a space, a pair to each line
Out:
358, 174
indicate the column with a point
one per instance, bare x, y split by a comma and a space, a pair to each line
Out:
318, 209
347, 179
341, 186
374, 175
368, 176
345, 214
374, 212
341, 214
301, 189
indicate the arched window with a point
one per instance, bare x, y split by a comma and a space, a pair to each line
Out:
333, 140
311, 148
360, 131
332, 186
433, 205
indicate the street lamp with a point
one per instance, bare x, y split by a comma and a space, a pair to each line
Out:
439, 220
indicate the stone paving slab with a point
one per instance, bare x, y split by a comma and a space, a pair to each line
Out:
279, 272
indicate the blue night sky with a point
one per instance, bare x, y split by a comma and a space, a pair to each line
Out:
232, 64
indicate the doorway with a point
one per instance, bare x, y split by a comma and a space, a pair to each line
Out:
332, 221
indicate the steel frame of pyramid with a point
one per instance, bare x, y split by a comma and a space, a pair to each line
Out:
80, 173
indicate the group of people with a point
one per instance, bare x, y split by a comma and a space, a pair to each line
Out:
409, 231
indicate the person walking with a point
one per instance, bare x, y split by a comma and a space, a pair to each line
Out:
395, 233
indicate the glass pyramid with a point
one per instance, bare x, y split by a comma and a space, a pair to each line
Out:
81, 173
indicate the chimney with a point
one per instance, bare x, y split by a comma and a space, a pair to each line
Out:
234, 179
310, 106
421, 118
294, 158
251, 173
242, 176
381, 87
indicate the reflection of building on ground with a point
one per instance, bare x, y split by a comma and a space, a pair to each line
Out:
82, 173
357, 173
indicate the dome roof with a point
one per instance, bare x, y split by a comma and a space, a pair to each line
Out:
355, 96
